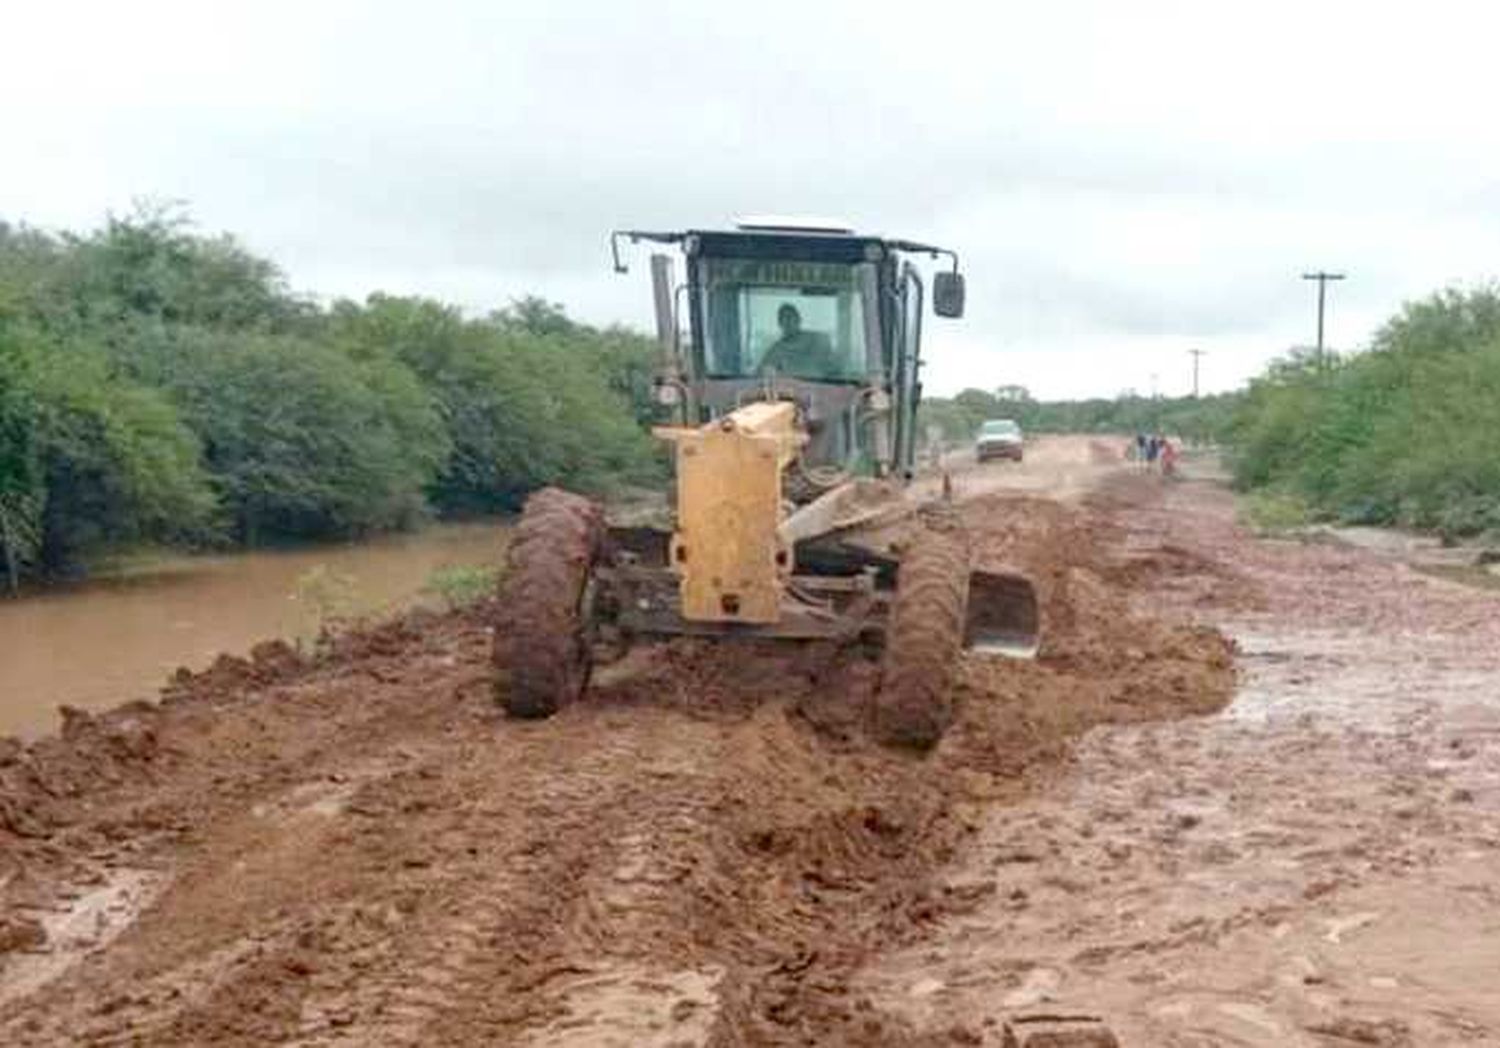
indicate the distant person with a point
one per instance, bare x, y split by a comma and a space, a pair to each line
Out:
1153, 448
806, 354
1138, 451
1168, 457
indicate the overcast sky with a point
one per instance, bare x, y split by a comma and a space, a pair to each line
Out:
1124, 181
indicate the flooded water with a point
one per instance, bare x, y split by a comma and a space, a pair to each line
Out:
107, 641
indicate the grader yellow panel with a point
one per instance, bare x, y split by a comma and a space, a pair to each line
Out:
730, 562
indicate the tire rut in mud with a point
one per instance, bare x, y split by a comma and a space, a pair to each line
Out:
478, 946
517, 882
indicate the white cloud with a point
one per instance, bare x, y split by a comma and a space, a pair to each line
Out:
1125, 182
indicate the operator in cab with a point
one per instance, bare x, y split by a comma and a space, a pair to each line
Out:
805, 354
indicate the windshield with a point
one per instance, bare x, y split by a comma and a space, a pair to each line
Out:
799, 319
999, 428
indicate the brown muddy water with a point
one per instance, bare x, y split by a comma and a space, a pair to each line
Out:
103, 642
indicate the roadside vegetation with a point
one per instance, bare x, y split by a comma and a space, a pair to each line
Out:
160, 386
460, 586
163, 387
1406, 433
1273, 513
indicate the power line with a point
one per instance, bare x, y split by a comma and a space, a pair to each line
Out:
1196, 355
1322, 278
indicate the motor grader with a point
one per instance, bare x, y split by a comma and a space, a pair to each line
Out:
789, 378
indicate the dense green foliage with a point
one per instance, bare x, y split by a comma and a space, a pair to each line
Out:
87, 460
1196, 419
158, 385
529, 397
1407, 432
161, 386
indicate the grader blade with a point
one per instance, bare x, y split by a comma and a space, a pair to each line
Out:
1003, 618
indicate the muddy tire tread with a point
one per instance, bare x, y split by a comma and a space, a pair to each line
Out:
540, 647
914, 703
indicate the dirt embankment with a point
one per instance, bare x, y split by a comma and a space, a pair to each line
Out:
360, 849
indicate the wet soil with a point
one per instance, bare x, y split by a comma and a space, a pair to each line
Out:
360, 848
1315, 867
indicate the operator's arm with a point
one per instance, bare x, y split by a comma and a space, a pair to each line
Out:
822, 360
774, 359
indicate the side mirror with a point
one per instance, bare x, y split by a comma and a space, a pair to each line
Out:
948, 294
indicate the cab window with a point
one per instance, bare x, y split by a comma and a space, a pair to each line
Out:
798, 319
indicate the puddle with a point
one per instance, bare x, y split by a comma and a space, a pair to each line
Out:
87, 923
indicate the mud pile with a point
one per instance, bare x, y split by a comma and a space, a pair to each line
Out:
359, 847
44, 785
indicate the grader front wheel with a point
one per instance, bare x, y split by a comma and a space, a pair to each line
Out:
914, 704
541, 644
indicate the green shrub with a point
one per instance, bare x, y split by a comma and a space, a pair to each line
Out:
459, 586
304, 441
329, 598
1274, 513
527, 402
88, 459
1406, 433
164, 386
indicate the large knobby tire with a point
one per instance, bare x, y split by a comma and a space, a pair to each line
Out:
914, 701
541, 648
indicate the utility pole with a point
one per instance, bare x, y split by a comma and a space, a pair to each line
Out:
1322, 278
1195, 354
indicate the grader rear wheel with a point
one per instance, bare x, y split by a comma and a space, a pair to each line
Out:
914, 704
541, 647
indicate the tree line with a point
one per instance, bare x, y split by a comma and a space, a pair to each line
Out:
956, 419
1406, 432
161, 386
158, 385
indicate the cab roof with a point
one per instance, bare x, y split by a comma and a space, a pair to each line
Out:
792, 224
821, 245
813, 240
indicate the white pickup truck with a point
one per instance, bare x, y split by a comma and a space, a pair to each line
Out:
999, 438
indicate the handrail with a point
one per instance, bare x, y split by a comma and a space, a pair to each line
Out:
636, 236
926, 249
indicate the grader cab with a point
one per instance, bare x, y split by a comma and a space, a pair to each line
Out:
790, 374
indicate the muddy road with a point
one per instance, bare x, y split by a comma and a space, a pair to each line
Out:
1294, 845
